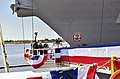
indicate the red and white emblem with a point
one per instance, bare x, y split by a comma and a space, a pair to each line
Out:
77, 37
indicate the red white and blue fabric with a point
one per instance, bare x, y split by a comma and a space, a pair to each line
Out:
88, 54
35, 61
38, 61
85, 72
82, 72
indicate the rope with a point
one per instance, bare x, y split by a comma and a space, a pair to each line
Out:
98, 63
32, 23
23, 32
106, 63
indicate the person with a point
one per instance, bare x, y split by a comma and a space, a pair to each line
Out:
58, 42
46, 46
36, 33
32, 42
40, 47
35, 46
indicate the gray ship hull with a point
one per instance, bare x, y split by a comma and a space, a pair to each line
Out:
97, 20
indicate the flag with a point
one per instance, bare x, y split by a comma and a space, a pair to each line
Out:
64, 74
84, 72
98, 53
87, 72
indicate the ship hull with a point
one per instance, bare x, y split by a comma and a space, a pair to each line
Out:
96, 20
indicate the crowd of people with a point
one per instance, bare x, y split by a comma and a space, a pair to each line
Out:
35, 45
39, 47
58, 43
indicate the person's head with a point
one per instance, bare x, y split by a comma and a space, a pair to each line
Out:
36, 33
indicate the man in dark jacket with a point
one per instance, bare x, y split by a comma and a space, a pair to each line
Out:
46, 46
35, 47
